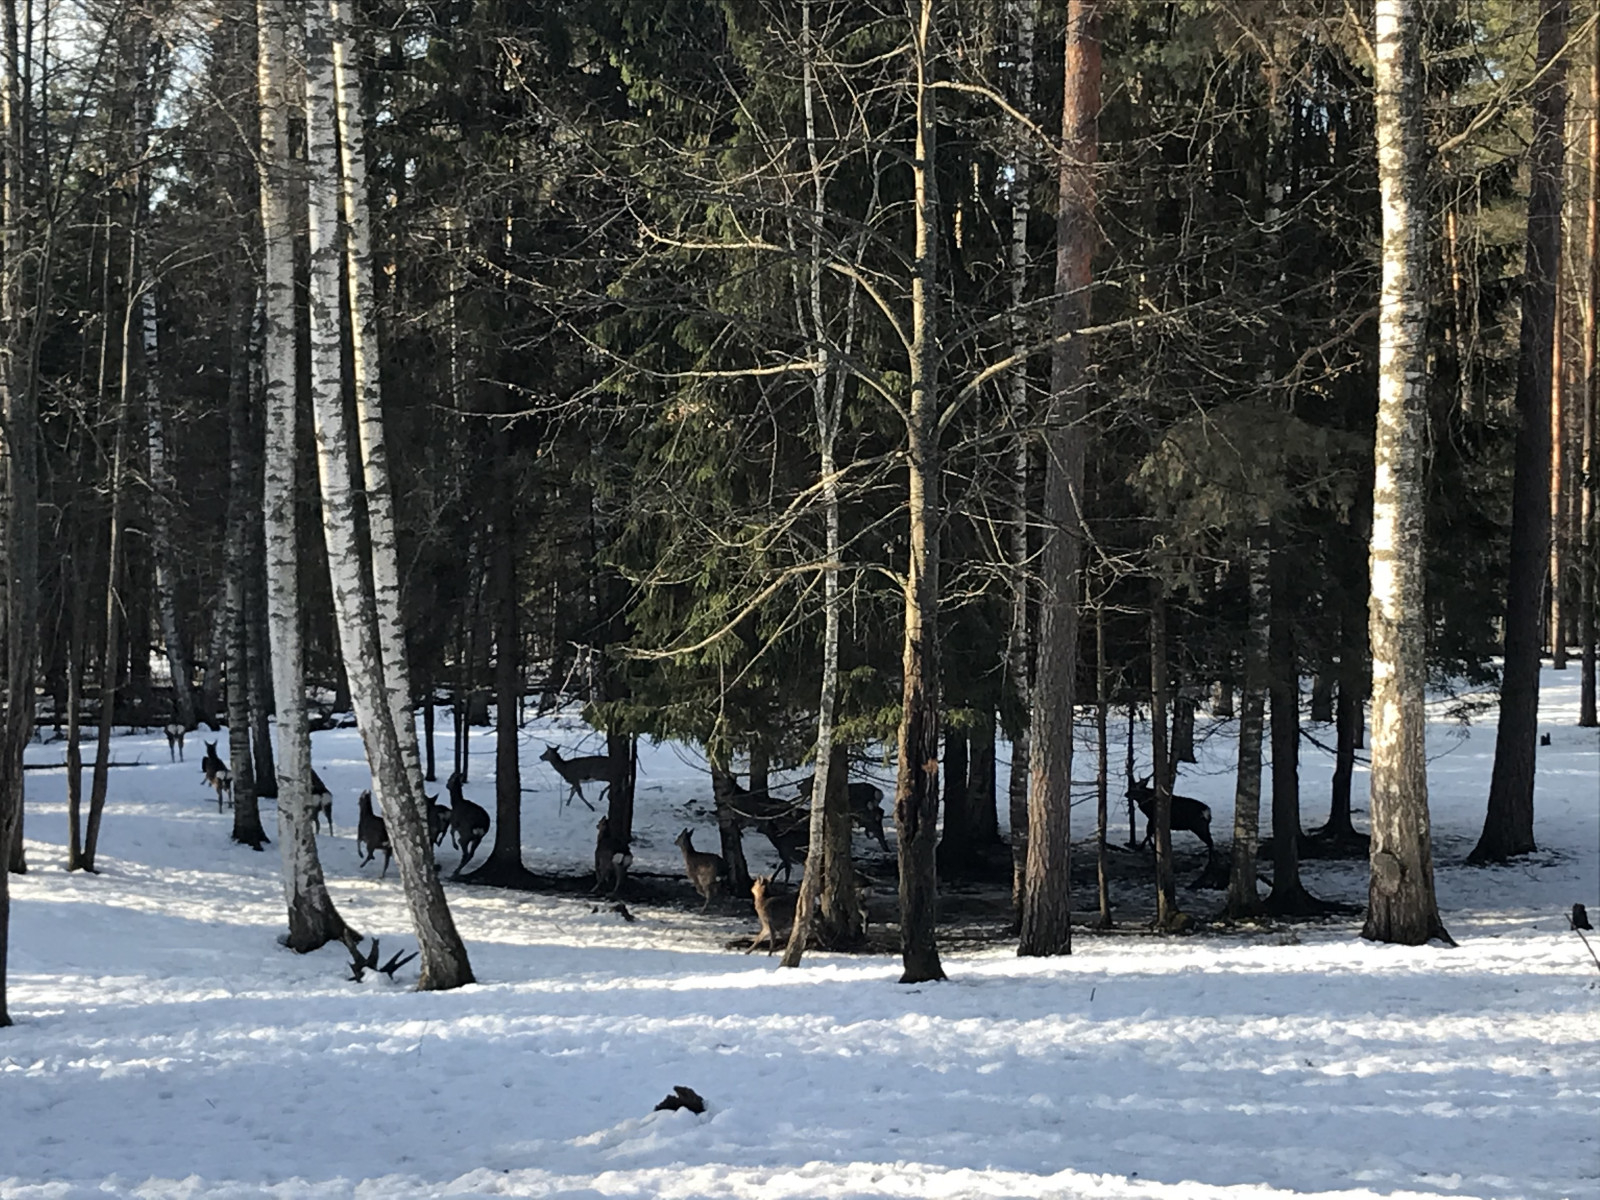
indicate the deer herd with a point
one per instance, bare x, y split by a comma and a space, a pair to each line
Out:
785, 823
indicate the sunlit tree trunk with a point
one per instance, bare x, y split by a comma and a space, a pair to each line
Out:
313, 919
1400, 906
1508, 825
443, 963
1046, 927
916, 801
1588, 548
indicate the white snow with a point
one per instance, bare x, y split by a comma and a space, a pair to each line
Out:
166, 1046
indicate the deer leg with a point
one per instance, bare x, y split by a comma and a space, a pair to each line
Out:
385, 871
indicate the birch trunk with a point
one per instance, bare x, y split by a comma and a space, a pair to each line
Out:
1508, 824
1046, 927
1244, 899
368, 388
916, 799
443, 958
312, 918
1401, 906
828, 877
161, 505
1018, 649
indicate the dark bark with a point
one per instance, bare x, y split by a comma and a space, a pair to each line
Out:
957, 842
1168, 916
1288, 895
1102, 779
1046, 927
1508, 824
259, 654
622, 747
981, 783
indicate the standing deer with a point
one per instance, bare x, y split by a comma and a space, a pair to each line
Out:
866, 807
321, 801
704, 870
612, 858
1187, 813
773, 909
468, 822
216, 773
591, 768
174, 734
372, 833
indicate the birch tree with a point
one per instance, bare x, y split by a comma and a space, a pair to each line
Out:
1401, 906
443, 957
1047, 887
313, 919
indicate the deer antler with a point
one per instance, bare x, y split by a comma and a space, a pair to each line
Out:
395, 963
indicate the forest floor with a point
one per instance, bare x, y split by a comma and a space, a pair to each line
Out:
167, 1046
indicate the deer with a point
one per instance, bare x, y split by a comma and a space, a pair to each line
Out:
1187, 813
468, 822
866, 807
785, 824
216, 773
372, 833
612, 858
591, 768
438, 820
174, 733
704, 870
321, 802
773, 909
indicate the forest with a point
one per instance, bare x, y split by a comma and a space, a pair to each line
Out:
1047, 410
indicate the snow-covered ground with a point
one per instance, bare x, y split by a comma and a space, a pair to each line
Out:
166, 1046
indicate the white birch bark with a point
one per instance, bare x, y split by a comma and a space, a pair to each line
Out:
443, 961
1401, 904
368, 387
313, 920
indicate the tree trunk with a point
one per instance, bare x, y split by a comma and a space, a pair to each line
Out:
1102, 779
1558, 382
956, 840
161, 505
1508, 825
313, 920
1244, 899
77, 644
1047, 888
385, 555
242, 502
1288, 896
1588, 535
443, 957
258, 654
1182, 730
19, 408
1323, 686
916, 797
1400, 904
1168, 916
1019, 651
981, 782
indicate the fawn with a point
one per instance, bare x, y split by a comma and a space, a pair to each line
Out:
174, 734
774, 909
592, 768
217, 774
372, 833
704, 870
321, 801
612, 858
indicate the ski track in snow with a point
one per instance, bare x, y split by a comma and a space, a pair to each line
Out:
167, 1047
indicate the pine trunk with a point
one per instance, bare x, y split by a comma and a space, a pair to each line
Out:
312, 918
1558, 613
1508, 825
1401, 906
1168, 916
916, 799
1589, 487
161, 506
1046, 927
1244, 899
1102, 779
443, 958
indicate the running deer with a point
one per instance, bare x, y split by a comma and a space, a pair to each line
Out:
372, 834
591, 768
468, 822
174, 734
704, 870
321, 802
216, 773
612, 858
774, 909
438, 820
1187, 814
